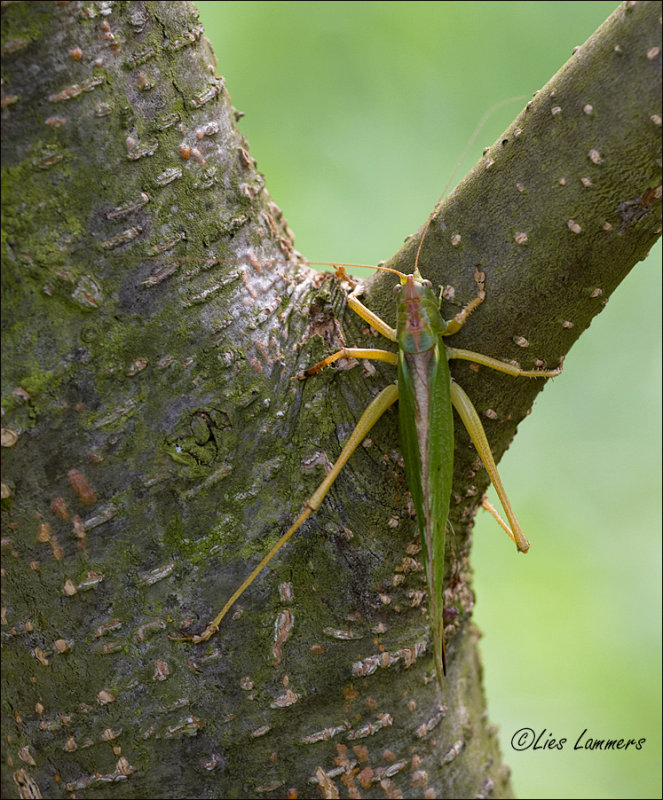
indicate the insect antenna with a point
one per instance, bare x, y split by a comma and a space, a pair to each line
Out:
479, 127
466, 150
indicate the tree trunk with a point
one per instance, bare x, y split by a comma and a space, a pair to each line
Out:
155, 446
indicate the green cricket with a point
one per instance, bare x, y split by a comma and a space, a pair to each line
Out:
427, 394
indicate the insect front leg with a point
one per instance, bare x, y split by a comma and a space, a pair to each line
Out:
374, 354
478, 358
454, 325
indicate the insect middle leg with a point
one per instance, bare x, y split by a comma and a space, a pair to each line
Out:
348, 352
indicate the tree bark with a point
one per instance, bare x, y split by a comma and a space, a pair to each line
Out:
155, 446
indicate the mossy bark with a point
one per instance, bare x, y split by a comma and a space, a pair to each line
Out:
154, 311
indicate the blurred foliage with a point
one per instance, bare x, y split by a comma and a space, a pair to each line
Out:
357, 114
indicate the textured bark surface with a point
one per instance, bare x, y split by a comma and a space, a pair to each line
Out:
154, 445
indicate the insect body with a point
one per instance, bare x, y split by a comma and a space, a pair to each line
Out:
426, 394
424, 390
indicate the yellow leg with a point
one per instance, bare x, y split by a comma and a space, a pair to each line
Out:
374, 411
357, 352
501, 366
463, 405
368, 316
478, 358
348, 352
491, 508
458, 321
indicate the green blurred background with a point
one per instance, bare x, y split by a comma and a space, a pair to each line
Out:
357, 113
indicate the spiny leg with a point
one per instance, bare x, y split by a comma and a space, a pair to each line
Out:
348, 352
468, 414
377, 323
501, 366
478, 358
468, 355
368, 316
454, 325
373, 412
491, 509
